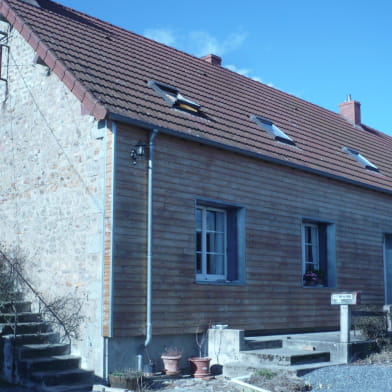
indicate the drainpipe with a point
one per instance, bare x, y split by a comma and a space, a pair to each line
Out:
149, 238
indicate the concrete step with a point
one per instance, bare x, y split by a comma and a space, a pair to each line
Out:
239, 369
25, 328
67, 388
283, 357
71, 377
56, 362
15, 306
23, 317
36, 338
29, 351
257, 343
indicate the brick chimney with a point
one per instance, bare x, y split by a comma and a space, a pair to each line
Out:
212, 59
351, 110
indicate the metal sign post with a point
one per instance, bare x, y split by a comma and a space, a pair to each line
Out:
345, 300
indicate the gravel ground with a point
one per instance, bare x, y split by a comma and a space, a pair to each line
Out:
370, 375
344, 378
351, 378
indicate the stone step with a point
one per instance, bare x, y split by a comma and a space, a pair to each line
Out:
56, 363
15, 306
22, 317
25, 328
283, 357
36, 338
6, 296
72, 377
29, 351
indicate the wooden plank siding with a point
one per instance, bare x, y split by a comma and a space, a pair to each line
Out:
276, 199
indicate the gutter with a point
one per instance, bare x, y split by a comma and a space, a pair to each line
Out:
242, 151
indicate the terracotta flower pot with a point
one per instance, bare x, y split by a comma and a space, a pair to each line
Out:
171, 364
200, 367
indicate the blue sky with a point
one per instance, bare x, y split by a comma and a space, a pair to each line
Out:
319, 51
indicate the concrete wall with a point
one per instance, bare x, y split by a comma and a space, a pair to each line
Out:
123, 352
52, 188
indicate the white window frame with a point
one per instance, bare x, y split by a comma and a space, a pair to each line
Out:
204, 276
314, 244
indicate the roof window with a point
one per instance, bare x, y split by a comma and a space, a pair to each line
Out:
272, 129
173, 97
360, 159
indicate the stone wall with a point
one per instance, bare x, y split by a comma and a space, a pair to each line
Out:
52, 165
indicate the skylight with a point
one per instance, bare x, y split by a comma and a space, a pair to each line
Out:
173, 97
360, 159
272, 129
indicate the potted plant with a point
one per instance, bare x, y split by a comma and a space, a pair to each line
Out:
127, 379
171, 361
200, 366
313, 278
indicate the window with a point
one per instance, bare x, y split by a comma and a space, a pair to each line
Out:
173, 97
318, 254
272, 129
360, 159
220, 243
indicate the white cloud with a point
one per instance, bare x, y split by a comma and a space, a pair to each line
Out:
241, 71
246, 72
201, 43
165, 36
204, 43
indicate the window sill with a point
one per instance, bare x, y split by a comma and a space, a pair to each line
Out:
316, 286
220, 282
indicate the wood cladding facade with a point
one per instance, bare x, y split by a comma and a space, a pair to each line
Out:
276, 200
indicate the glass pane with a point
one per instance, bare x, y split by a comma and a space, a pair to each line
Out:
215, 242
211, 220
309, 253
219, 243
307, 234
198, 263
198, 242
220, 221
199, 219
215, 264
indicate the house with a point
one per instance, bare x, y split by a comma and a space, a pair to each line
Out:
168, 192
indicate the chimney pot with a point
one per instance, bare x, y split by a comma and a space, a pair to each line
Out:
212, 59
351, 110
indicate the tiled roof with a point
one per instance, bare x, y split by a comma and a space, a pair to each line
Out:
108, 69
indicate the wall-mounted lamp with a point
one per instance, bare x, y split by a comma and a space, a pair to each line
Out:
138, 151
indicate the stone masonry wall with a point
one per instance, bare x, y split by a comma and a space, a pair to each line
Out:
52, 161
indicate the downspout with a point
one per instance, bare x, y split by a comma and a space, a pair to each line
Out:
149, 237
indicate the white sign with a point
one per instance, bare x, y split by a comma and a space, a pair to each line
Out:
352, 298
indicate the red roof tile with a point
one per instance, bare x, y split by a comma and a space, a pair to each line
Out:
108, 68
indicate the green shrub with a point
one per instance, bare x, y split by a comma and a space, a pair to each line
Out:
373, 327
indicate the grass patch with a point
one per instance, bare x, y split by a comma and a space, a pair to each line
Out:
278, 381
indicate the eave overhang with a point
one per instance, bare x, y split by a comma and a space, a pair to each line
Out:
241, 151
